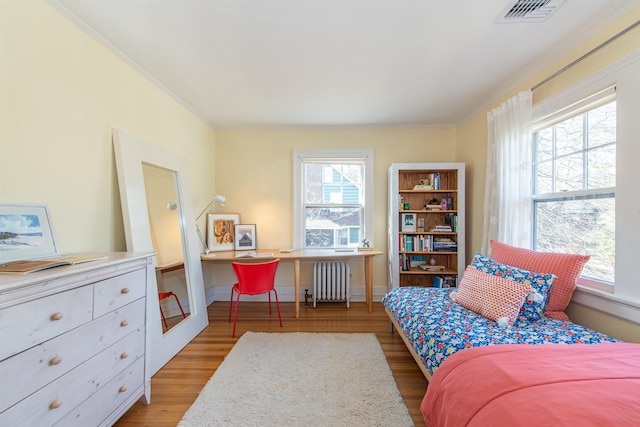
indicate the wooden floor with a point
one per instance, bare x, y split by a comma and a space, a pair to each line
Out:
177, 384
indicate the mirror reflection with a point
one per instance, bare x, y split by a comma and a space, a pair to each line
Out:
166, 236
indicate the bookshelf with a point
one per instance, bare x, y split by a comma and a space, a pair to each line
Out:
426, 224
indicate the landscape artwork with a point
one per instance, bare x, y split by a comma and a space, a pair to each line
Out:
26, 233
20, 232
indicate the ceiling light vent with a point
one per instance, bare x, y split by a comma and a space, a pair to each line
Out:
528, 11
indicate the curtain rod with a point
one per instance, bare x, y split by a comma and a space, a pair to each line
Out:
592, 51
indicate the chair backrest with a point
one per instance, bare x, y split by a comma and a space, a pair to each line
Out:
256, 278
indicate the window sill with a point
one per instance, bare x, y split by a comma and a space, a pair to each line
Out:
603, 299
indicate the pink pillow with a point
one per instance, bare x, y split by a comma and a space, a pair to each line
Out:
493, 297
566, 268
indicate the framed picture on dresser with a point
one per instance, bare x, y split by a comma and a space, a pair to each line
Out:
26, 232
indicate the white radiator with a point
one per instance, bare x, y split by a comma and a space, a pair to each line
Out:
331, 282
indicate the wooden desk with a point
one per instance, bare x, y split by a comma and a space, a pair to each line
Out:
306, 255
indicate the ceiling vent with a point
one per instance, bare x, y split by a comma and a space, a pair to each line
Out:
528, 11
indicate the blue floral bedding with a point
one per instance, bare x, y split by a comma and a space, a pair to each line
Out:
438, 327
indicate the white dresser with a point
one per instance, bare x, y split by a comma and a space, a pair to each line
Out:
73, 342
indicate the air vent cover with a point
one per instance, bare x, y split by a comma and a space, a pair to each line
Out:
528, 11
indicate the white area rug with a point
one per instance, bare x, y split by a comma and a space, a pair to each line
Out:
301, 379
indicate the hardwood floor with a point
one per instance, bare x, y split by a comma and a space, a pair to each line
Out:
177, 384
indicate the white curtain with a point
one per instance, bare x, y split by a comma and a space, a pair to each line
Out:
507, 202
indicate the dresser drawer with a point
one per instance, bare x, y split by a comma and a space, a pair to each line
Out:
42, 319
54, 401
38, 366
102, 403
118, 291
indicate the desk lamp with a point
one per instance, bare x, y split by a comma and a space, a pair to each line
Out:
219, 200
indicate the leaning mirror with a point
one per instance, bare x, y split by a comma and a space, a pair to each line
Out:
158, 217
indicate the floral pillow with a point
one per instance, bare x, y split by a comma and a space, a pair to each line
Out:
491, 296
535, 306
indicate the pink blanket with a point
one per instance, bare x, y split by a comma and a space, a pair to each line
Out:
537, 385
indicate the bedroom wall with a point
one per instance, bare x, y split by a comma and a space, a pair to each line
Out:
471, 143
61, 93
254, 170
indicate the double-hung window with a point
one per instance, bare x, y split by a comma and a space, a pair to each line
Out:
574, 183
333, 198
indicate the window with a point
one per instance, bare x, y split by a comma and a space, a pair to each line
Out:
574, 183
333, 206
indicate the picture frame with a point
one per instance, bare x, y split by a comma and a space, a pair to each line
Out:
221, 231
26, 232
409, 222
245, 237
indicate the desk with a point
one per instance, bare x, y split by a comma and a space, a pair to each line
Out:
306, 255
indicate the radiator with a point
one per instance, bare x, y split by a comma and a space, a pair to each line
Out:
331, 282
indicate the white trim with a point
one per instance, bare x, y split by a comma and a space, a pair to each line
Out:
596, 82
624, 308
299, 155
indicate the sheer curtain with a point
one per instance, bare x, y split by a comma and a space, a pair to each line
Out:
507, 203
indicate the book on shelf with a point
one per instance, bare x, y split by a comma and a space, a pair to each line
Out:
254, 255
31, 266
429, 267
433, 207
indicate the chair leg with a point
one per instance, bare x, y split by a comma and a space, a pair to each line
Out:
184, 316
277, 306
163, 319
230, 304
269, 294
235, 318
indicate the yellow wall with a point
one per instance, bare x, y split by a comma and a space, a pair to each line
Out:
254, 169
61, 93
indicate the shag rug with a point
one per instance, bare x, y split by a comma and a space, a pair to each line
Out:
301, 379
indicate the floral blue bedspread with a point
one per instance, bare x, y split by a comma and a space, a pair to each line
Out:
438, 327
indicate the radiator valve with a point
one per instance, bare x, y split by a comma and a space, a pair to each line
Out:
307, 296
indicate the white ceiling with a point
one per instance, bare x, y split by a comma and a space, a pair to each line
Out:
297, 63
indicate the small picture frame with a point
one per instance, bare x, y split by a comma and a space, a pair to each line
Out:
221, 231
26, 233
245, 237
409, 222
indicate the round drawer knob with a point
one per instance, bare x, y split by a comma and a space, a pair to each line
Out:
124, 291
55, 361
124, 355
124, 323
122, 388
57, 316
55, 404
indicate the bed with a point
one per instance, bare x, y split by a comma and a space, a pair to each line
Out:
499, 347
535, 385
434, 327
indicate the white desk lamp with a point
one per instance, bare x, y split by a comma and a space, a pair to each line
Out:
219, 200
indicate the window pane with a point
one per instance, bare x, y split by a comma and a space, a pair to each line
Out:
543, 178
584, 226
544, 145
329, 227
313, 184
569, 136
602, 166
569, 173
602, 125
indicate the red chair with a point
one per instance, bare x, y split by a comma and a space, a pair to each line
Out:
254, 279
165, 295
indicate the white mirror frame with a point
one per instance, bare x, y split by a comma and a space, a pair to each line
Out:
131, 152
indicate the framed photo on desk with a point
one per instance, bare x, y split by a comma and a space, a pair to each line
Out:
221, 231
245, 237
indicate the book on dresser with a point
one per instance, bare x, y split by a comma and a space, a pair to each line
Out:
31, 266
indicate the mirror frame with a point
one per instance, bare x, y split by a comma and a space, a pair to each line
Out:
130, 153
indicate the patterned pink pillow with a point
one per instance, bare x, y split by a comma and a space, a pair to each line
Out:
566, 268
493, 297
